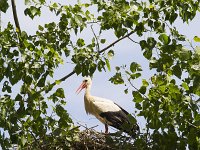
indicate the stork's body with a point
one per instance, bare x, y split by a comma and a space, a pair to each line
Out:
106, 111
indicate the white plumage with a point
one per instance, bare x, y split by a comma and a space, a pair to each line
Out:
106, 111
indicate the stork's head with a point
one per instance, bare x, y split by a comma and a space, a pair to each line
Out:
85, 84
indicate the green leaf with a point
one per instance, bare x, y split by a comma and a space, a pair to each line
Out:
54, 5
23, 140
145, 83
135, 75
117, 79
108, 64
197, 50
101, 65
196, 39
110, 54
28, 80
143, 44
57, 82
164, 39
117, 68
129, 22
184, 54
80, 42
103, 41
140, 28
138, 106
18, 97
120, 32
173, 17
185, 86
135, 67
13, 137
177, 71
41, 82
147, 54
27, 2
4, 5
92, 69
32, 11
126, 91
137, 97
61, 112
151, 42
41, 28
142, 89
60, 93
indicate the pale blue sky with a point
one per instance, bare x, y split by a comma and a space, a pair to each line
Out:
125, 53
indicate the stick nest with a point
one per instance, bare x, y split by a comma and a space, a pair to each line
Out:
89, 139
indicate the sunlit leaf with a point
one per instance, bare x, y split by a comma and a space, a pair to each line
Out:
110, 54
108, 64
164, 39
185, 86
196, 39
58, 82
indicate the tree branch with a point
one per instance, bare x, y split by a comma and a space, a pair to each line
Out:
135, 87
0, 21
67, 76
95, 36
15, 16
62, 79
112, 44
133, 40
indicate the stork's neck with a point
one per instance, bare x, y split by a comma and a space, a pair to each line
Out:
87, 91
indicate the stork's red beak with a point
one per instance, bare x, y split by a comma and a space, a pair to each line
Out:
82, 86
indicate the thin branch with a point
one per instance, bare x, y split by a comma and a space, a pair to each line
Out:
67, 76
0, 21
191, 124
62, 79
133, 40
191, 45
95, 36
15, 15
112, 44
135, 87
93, 22
85, 126
18, 29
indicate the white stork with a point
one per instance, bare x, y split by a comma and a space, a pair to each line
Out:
106, 111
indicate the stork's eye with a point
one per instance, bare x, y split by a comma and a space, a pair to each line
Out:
85, 80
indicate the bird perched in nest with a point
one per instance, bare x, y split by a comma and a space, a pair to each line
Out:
108, 112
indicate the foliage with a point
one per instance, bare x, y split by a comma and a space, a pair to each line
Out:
169, 100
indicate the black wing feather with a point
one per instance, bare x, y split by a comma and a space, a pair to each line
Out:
117, 119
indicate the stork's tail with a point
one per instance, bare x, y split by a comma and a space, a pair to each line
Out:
130, 126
